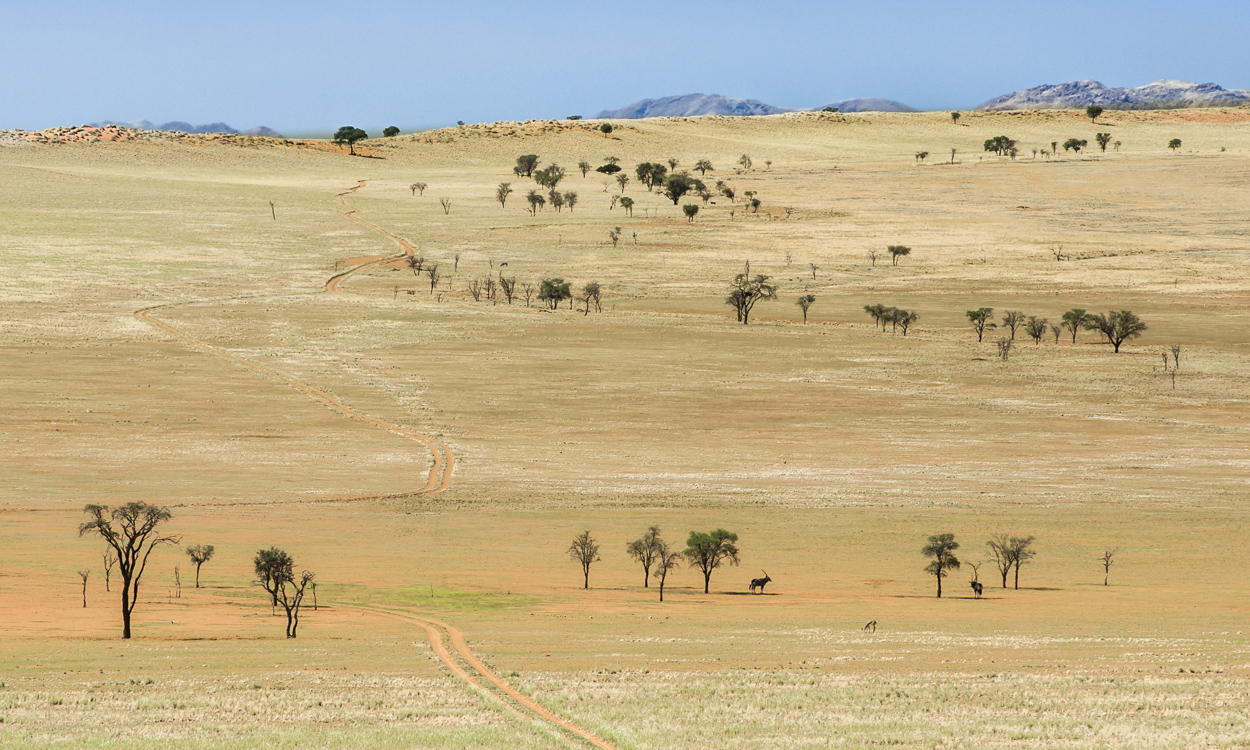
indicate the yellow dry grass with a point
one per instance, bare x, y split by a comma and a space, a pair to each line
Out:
832, 448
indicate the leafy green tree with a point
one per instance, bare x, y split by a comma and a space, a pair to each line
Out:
614, 234
573, 117
709, 551
1103, 139
745, 290
1075, 144
981, 319
1000, 145
351, 136
606, 129
525, 165
877, 313
745, 161
677, 185
609, 169
703, 166
650, 174
550, 177
1035, 327
645, 549
591, 295
584, 551
1174, 144
536, 201
570, 200
502, 192
584, 166
391, 132
905, 319
690, 209
1117, 326
622, 180
1074, 320
627, 203
941, 548
200, 554
131, 530
275, 572
898, 251
805, 302
554, 291
1093, 111
955, 117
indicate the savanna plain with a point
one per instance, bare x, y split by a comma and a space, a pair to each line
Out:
453, 446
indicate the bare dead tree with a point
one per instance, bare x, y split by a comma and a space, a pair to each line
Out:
527, 290
614, 234
872, 255
645, 549
1176, 356
177, 583
446, 204
131, 530
273, 211
1013, 319
1000, 548
110, 559
84, 574
507, 286
489, 288
1108, 557
432, 272
1055, 331
814, 269
475, 288
418, 187
1004, 348
666, 558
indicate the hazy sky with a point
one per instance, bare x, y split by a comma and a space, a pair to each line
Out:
310, 67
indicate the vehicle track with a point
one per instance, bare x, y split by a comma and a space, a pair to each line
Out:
440, 474
436, 630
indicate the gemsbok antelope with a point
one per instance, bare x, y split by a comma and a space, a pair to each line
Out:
759, 583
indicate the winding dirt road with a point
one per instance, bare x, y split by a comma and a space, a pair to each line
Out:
440, 474
440, 634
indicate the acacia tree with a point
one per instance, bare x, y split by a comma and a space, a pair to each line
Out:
1075, 144
432, 271
898, 251
1035, 327
1001, 549
955, 117
525, 165
131, 530
1092, 112
980, 319
275, 572
690, 210
350, 135
1174, 144
502, 192
200, 554
109, 557
678, 184
745, 290
709, 551
1020, 554
554, 291
584, 166
703, 166
1103, 139
877, 313
905, 319
645, 550
627, 203
584, 551
666, 559
1000, 144
804, 302
1013, 319
1074, 320
391, 132
941, 548
1117, 326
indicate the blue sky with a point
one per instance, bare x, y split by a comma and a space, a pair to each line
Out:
310, 67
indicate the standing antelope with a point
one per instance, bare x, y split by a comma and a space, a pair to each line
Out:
759, 583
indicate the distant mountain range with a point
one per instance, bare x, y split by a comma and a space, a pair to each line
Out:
693, 105
186, 127
1158, 95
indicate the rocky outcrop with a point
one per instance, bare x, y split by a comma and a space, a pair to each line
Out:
1162, 94
691, 105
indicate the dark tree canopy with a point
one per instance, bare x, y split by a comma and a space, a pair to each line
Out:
1075, 144
1093, 111
525, 165
131, 530
709, 551
554, 291
1117, 326
981, 319
1001, 145
608, 168
898, 251
584, 551
390, 132
200, 554
350, 135
677, 185
645, 549
745, 290
1103, 139
941, 548
275, 572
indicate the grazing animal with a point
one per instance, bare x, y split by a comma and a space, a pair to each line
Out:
759, 583
871, 626
977, 588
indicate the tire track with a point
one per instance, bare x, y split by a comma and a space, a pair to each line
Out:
436, 630
440, 474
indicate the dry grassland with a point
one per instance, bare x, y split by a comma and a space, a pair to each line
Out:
832, 448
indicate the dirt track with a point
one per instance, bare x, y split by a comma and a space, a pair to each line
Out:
444, 462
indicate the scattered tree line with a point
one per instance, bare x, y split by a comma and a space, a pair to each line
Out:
1115, 326
705, 552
